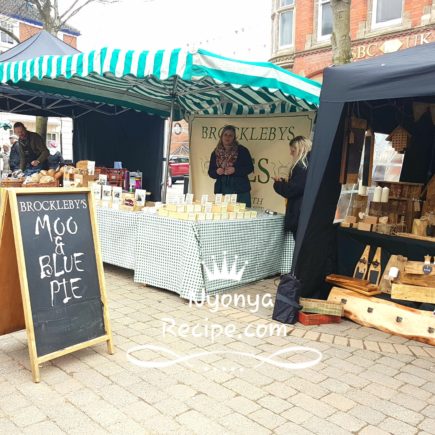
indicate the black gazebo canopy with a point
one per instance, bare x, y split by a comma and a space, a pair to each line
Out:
382, 90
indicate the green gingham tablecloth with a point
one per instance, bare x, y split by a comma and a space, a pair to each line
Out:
118, 230
175, 254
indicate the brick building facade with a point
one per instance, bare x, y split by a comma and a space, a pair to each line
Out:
301, 31
23, 21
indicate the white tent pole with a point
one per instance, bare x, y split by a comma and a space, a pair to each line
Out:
168, 145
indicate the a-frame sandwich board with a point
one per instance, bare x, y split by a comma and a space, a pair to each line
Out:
52, 278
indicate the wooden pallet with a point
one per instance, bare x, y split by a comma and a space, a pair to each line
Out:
386, 316
395, 261
317, 306
417, 268
413, 293
357, 285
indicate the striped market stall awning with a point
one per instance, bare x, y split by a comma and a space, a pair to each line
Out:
152, 81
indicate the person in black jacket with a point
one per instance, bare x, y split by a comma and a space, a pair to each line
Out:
230, 165
293, 188
14, 156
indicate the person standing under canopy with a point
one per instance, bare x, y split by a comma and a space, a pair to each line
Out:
230, 165
292, 189
14, 156
55, 159
33, 152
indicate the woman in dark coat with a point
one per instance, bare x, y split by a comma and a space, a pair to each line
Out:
55, 159
230, 165
293, 188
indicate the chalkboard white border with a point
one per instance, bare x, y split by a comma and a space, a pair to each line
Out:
35, 360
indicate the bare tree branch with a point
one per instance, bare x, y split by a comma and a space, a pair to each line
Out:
9, 33
69, 9
75, 11
65, 17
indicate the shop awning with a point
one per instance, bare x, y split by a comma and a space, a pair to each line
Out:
150, 81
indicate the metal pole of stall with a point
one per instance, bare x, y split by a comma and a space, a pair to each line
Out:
168, 145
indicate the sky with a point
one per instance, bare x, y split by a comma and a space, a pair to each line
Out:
235, 28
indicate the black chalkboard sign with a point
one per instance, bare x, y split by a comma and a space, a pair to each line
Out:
60, 271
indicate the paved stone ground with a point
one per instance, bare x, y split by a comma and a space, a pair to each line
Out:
367, 382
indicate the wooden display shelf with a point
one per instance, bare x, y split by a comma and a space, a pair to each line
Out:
415, 236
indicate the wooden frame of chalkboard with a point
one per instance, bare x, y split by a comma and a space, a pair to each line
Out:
57, 269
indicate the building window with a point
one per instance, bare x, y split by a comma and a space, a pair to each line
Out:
51, 137
285, 26
4, 37
386, 12
324, 22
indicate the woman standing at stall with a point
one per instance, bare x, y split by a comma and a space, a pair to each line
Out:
293, 188
230, 165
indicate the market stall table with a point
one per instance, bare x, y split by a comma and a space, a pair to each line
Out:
175, 254
118, 231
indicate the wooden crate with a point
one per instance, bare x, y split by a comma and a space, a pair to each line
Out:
318, 306
116, 177
54, 183
317, 319
12, 183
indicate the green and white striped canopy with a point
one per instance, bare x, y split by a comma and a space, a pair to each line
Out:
151, 81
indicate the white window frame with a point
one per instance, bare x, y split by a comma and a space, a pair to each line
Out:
321, 37
281, 10
49, 137
393, 22
6, 21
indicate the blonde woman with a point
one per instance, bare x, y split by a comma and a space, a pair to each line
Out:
293, 188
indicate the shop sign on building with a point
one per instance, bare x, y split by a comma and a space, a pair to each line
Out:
385, 46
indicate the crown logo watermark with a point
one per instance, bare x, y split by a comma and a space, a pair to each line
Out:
224, 273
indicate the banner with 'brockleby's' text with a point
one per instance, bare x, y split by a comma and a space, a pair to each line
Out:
266, 137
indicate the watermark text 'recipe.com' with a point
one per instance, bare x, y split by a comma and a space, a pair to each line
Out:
212, 331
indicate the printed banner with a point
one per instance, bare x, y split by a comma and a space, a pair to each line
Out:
266, 137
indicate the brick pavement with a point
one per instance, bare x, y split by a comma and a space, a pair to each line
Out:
367, 382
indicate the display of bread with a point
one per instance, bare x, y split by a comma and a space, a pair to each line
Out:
43, 177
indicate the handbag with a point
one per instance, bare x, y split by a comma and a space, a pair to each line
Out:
287, 307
